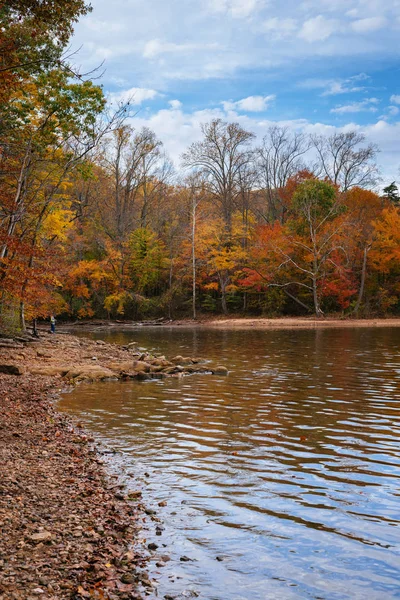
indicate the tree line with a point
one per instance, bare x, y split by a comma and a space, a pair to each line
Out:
95, 220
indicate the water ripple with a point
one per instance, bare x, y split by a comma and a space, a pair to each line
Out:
287, 469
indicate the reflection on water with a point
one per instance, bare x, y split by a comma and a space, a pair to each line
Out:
282, 480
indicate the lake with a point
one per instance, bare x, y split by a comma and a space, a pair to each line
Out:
281, 480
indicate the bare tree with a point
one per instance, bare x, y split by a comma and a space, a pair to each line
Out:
137, 168
345, 161
220, 157
279, 158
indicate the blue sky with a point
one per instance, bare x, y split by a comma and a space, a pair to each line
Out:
316, 65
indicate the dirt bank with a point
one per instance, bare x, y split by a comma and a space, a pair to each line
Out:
299, 323
67, 530
232, 322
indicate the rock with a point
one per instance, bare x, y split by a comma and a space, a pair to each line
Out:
186, 360
171, 370
38, 591
49, 370
165, 558
185, 559
142, 376
141, 366
134, 494
127, 578
177, 360
5, 343
10, 370
123, 366
89, 372
220, 371
152, 546
158, 376
42, 536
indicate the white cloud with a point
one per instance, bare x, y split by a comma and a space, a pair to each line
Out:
369, 24
104, 27
237, 8
395, 99
157, 47
340, 87
368, 105
317, 29
279, 28
134, 95
393, 110
250, 104
334, 87
175, 104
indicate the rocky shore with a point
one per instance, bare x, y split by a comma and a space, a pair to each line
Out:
67, 530
74, 360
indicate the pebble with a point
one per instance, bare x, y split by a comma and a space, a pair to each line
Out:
152, 546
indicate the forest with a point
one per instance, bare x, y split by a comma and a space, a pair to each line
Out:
96, 221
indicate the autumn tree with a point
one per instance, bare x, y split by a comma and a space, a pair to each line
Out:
363, 209
385, 259
220, 256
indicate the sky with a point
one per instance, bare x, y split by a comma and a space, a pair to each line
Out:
316, 66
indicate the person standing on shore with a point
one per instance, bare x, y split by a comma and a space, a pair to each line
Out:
52, 324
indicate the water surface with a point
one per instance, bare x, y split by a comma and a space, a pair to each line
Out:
282, 480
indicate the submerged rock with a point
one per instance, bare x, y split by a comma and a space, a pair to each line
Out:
220, 370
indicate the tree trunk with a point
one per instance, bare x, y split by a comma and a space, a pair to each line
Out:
317, 308
223, 294
362, 283
22, 323
194, 260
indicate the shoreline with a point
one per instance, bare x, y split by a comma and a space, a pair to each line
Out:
223, 322
68, 530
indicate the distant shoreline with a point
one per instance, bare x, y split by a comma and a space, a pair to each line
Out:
238, 323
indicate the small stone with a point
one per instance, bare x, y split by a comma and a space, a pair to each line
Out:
152, 546
10, 370
185, 559
134, 494
221, 371
127, 578
42, 536
38, 591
